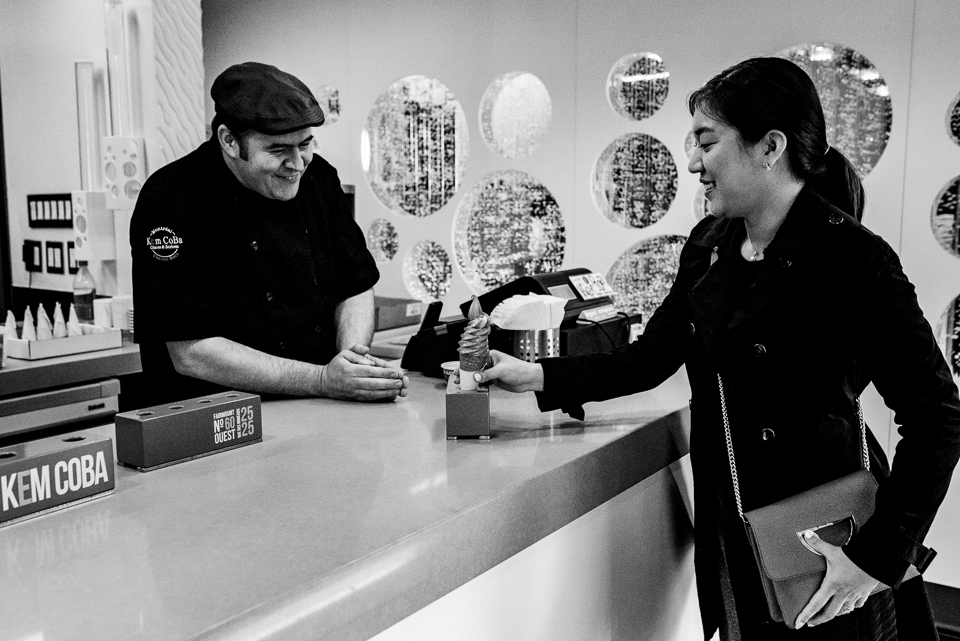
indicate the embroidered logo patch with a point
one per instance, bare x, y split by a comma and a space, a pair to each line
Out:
163, 243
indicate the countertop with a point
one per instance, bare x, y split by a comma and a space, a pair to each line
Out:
347, 518
22, 376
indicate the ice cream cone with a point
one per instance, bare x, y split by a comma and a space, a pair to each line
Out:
474, 345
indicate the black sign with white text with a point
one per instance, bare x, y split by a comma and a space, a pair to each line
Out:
46, 474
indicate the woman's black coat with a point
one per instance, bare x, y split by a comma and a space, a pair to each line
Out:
829, 312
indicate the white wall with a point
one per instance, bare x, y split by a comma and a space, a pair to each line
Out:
39, 42
933, 159
362, 47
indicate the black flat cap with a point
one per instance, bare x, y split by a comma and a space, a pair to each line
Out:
263, 98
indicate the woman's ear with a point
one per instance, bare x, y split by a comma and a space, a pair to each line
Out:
774, 145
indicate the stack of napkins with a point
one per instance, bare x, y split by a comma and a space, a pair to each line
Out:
529, 311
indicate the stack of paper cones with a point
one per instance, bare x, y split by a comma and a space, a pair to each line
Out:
43, 328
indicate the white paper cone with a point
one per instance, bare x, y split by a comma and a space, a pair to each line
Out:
59, 325
9, 331
73, 323
10, 327
44, 329
29, 331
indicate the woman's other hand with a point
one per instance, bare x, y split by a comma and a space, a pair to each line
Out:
845, 586
510, 373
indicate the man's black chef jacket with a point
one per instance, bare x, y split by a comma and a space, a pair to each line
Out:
213, 258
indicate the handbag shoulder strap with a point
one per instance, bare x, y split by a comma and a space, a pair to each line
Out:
733, 463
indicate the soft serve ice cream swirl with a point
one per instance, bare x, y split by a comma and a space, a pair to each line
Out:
474, 345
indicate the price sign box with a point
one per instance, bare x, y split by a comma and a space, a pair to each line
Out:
162, 435
468, 412
38, 477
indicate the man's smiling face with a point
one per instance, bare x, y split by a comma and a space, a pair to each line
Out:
272, 165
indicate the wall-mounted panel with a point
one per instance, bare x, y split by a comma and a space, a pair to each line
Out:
932, 164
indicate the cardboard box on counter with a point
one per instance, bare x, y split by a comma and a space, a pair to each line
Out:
94, 338
396, 312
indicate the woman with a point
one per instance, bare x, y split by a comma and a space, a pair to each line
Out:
798, 307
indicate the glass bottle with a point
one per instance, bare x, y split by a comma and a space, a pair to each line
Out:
84, 291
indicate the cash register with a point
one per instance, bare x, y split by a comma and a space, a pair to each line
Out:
591, 323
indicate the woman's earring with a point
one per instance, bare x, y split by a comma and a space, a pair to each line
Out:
766, 166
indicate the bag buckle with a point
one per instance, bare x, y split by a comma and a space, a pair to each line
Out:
836, 533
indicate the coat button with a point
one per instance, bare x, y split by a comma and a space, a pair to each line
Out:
693, 329
318, 329
269, 297
768, 434
254, 245
759, 350
835, 218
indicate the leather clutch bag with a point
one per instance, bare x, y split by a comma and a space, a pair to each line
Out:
791, 571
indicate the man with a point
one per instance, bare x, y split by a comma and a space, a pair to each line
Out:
249, 272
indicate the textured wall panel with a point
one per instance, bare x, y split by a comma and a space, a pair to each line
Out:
178, 46
638, 85
508, 225
642, 276
855, 97
418, 143
635, 180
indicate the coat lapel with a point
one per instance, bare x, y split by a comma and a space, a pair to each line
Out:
709, 303
711, 308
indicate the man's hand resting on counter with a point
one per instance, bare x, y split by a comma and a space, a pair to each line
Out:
355, 375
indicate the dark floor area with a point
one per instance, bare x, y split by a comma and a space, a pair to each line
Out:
946, 608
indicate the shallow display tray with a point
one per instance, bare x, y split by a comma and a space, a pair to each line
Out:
94, 338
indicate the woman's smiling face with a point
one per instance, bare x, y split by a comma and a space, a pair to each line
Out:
730, 170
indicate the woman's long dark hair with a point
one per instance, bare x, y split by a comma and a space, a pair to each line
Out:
761, 94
